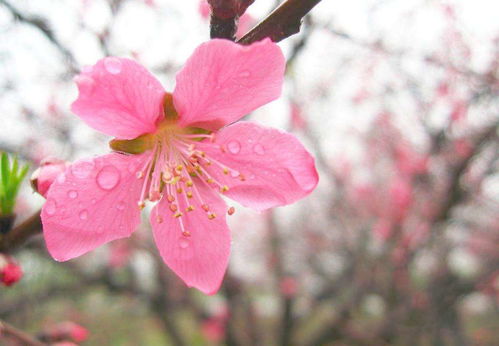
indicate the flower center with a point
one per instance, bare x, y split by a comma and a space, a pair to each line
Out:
177, 168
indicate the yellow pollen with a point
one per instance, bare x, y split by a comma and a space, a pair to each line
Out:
189, 194
190, 208
180, 190
224, 188
179, 168
141, 205
211, 216
189, 183
210, 180
231, 210
177, 214
226, 170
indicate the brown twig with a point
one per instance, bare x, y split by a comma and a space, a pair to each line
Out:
283, 22
24, 338
19, 234
225, 15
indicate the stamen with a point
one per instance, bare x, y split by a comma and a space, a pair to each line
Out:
231, 210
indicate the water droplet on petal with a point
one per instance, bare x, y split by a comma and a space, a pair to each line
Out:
108, 177
61, 178
85, 83
72, 194
50, 207
112, 65
183, 243
82, 169
120, 206
83, 214
234, 147
244, 74
258, 149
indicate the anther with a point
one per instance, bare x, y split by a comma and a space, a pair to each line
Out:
179, 168
205, 207
190, 208
178, 214
226, 170
224, 188
210, 181
189, 194
186, 233
231, 210
170, 198
180, 190
173, 207
242, 177
189, 183
211, 216
141, 205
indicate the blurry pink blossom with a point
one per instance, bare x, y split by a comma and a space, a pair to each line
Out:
288, 286
298, 122
382, 229
65, 332
180, 150
400, 192
44, 176
10, 272
119, 253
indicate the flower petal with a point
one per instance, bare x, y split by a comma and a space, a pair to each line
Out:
93, 202
275, 168
119, 97
223, 81
201, 258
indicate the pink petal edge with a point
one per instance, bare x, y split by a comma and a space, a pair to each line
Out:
200, 259
277, 169
119, 97
93, 202
223, 81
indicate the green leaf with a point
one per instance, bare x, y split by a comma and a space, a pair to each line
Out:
11, 177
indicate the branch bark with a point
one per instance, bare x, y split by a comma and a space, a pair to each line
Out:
19, 335
19, 234
283, 22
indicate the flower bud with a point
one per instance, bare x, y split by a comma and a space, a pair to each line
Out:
44, 176
10, 272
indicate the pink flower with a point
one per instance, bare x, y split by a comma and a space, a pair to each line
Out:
44, 176
182, 150
10, 272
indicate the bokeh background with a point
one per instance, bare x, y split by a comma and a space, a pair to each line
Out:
398, 245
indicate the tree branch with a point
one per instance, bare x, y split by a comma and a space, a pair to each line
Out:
19, 335
225, 15
283, 22
18, 235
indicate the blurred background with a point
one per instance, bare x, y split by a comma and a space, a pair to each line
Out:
398, 245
